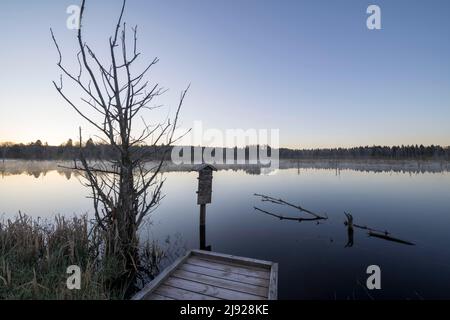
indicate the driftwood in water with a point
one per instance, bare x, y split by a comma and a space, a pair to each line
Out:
385, 235
389, 238
282, 202
350, 221
299, 219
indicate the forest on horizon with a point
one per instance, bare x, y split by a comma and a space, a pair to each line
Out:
70, 150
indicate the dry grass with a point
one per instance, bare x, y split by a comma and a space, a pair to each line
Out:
35, 254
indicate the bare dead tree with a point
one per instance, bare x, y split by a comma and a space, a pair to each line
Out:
124, 189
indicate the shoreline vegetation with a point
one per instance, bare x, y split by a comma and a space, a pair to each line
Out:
35, 255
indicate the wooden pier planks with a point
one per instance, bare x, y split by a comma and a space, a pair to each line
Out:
204, 275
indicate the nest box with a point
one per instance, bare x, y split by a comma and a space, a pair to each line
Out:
205, 183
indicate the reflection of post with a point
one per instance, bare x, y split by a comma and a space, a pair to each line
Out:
204, 197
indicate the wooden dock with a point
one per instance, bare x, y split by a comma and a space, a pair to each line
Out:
204, 275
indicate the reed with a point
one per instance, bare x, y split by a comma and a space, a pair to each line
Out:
35, 254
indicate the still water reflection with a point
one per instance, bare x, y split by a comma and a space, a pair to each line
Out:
316, 259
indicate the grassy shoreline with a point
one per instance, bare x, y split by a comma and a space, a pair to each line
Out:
35, 254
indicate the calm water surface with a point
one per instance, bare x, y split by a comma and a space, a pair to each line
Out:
314, 261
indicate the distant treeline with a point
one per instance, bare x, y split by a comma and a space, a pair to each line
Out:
371, 152
69, 150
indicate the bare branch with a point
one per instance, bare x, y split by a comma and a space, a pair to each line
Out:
282, 202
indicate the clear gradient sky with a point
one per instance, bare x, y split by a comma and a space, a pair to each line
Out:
310, 68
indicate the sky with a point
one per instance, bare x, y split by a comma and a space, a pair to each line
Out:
311, 68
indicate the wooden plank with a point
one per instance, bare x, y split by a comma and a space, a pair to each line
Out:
181, 294
225, 275
154, 296
232, 258
211, 291
223, 283
160, 278
218, 266
233, 264
273, 285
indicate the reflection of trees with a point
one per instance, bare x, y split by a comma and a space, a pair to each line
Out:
254, 170
370, 166
36, 174
34, 169
17, 167
68, 174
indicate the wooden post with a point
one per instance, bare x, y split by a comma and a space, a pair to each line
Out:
203, 197
202, 227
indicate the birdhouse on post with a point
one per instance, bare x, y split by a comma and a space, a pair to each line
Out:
203, 197
205, 183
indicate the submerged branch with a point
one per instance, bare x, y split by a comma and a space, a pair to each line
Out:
350, 222
298, 207
385, 235
286, 218
389, 238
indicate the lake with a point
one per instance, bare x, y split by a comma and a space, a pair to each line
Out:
411, 200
